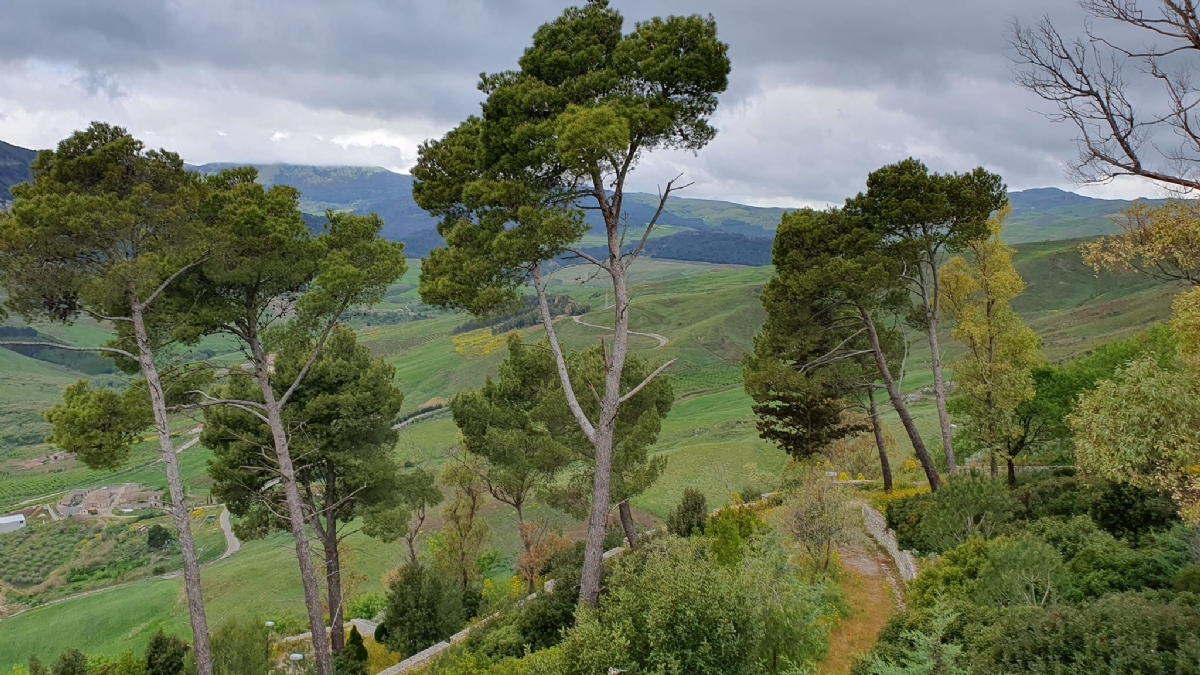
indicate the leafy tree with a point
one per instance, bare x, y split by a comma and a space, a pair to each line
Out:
417, 492
464, 531
164, 654
499, 423
271, 284
995, 375
157, 537
1142, 427
689, 517
634, 431
70, 662
1158, 241
422, 610
341, 418
107, 229
920, 217
827, 310
563, 132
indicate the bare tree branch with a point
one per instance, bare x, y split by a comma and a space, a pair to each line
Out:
650, 378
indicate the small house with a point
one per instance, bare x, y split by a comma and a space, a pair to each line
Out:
12, 523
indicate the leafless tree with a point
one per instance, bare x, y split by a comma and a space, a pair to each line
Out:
1126, 82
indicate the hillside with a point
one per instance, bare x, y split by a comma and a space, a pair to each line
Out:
1039, 214
14, 167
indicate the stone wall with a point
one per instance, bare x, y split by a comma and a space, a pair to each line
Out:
877, 527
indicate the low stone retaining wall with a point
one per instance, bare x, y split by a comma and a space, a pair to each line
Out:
877, 527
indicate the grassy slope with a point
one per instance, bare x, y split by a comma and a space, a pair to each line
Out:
708, 312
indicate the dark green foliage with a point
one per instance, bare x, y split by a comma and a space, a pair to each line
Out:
99, 425
690, 516
157, 537
1187, 579
422, 610
1128, 510
70, 662
36, 667
240, 647
1123, 633
967, 505
353, 658
164, 654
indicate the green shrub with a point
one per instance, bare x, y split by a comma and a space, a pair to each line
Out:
421, 611
1121, 633
729, 529
353, 658
1130, 511
157, 537
366, 606
1187, 579
164, 654
671, 607
922, 652
70, 662
689, 517
966, 506
1022, 570
241, 647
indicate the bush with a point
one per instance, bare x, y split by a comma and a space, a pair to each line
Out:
672, 607
157, 537
820, 516
70, 662
1130, 511
1187, 579
922, 652
729, 529
1121, 633
689, 517
1022, 571
353, 658
241, 647
966, 506
366, 606
421, 611
164, 654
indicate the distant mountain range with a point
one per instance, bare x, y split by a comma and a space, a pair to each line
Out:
1041, 214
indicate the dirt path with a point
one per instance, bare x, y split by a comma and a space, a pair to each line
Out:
662, 340
872, 597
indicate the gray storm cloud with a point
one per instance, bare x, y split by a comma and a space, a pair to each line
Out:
821, 92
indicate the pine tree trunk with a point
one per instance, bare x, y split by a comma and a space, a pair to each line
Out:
906, 419
627, 523
333, 582
295, 507
593, 551
939, 389
179, 510
876, 427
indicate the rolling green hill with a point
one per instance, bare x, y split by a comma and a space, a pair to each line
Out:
14, 167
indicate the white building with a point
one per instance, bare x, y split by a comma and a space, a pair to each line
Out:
11, 523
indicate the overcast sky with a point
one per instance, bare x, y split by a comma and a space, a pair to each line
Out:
821, 91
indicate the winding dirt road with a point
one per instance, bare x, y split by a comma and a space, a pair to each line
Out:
662, 340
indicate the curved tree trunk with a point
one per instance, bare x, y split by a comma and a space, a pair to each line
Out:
179, 510
906, 419
627, 523
295, 507
877, 428
1012, 472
